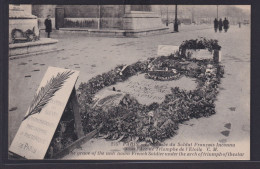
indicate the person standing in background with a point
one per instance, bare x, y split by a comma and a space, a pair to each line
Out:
220, 25
48, 26
216, 25
226, 24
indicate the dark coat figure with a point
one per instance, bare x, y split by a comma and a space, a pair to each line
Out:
220, 25
216, 24
48, 26
226, 24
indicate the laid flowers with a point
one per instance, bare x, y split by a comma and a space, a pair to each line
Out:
129, 120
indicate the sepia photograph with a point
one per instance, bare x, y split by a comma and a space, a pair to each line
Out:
129, 82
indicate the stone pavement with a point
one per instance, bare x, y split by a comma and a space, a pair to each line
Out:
95, 55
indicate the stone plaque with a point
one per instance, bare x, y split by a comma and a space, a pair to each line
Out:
41, 120
146, 91
167, 50
200, 54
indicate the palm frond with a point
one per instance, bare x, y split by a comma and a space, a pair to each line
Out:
47, 92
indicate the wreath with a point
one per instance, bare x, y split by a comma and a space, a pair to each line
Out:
18, 36
196, 44
130, 120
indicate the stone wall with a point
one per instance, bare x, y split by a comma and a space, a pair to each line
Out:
109, 16
137, 20
91, 23
83, 16
80, 11
87, 16
141, 8
42, 11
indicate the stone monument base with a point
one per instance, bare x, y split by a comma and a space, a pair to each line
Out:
44, 45
114, 33
136, 20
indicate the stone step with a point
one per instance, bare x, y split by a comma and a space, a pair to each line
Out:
42, 45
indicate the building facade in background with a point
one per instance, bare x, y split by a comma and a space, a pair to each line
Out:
119, 17
124, 17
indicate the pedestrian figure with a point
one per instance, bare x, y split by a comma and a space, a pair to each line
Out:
48, 26
239, 24
226, 24
220, 25
216, 25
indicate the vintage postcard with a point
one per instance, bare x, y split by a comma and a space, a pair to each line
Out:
129, 82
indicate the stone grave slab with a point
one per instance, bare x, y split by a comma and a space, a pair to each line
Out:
201, 54
167, 50
146, 91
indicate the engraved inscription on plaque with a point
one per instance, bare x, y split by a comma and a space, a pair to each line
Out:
40, 122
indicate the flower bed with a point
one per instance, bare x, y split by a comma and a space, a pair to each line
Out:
130, 120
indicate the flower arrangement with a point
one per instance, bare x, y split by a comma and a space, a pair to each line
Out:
18, 36
196, 44
130, 120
